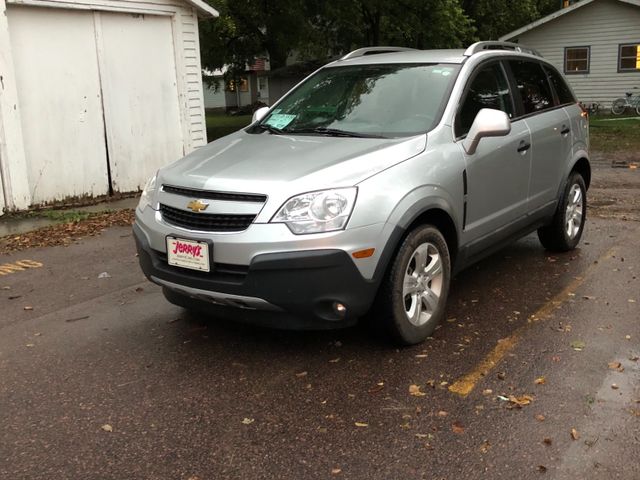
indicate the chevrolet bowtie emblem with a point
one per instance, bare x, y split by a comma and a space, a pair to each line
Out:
197, 205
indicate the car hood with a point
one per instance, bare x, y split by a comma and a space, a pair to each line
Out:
264, 163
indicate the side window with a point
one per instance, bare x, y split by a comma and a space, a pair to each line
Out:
533, 85
488, 89
560, 86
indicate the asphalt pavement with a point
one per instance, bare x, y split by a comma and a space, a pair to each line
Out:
535, 374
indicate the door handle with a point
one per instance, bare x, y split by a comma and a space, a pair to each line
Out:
524, 146
565, 130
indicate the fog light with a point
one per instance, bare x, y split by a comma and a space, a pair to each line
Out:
339, 308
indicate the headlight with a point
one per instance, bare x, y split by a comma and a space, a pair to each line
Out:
147, 192
315, 212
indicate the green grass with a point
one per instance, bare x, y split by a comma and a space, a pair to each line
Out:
221, 124
611, 136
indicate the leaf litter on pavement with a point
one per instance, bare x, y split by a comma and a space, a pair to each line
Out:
64, 234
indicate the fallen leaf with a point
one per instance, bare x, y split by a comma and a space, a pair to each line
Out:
421, 355
520, 401
634, 358
574, 434
6, 287
107, 428
247, 421
30, 345
627, 337
547, 441
485, 446
335, 471
614, 365
423, 435
540, 381
615, 386
415, 391
28, 308
540, 418
301, 374
442, 413
487, 391
457, 427
334, 360
578, 345
139, 289
542, 468
361, 424
104, 275
555, 359
378, 387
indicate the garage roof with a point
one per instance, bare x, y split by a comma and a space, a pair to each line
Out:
204, 9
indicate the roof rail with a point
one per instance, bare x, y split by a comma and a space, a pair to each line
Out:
361, 52
497, 45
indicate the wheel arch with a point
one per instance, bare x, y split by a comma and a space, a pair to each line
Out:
583, 167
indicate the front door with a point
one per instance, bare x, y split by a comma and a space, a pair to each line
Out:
498, 172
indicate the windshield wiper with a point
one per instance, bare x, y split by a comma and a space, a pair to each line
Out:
334, 132
270, 129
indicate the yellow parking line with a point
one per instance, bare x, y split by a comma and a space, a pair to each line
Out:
467, 383
19, 266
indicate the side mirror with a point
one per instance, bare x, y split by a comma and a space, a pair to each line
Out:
259, 114
488, 123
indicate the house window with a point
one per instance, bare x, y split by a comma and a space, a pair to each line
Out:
629, 58
576, 59
242, 85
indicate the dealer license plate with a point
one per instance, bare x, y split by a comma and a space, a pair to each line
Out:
188, 254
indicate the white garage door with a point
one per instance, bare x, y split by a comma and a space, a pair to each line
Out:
140, 97
98, 99
60, 103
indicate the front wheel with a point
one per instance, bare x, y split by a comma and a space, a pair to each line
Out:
564, 231
411, 301
638, 108
618, 106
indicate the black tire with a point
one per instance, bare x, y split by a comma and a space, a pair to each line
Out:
559, 235
394, 305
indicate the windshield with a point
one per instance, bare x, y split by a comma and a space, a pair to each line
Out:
391, 100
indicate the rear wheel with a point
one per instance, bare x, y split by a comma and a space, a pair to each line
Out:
618, 106
412, 298
638, 108
565, 230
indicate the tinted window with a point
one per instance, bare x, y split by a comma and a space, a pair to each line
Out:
560, 86
488, 89
533, 85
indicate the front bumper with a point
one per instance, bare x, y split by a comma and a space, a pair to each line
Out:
302, 283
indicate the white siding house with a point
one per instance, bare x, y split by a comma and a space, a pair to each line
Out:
596, 43
95, 95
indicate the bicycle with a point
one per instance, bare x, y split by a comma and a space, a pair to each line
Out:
619, 105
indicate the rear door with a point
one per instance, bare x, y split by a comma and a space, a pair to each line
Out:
550, 128
498, 172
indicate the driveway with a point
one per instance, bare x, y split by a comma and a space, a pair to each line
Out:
535, 373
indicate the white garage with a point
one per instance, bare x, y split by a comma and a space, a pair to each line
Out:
95, 95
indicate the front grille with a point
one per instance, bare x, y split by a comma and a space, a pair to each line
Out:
205, 222
230, 197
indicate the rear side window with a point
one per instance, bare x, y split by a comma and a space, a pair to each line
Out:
532, 85
560, 86
488, 89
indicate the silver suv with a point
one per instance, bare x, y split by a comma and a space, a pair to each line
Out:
368, 186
